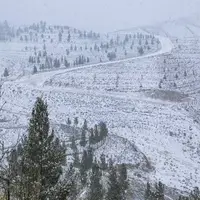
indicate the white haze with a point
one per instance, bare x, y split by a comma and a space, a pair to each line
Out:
100, 15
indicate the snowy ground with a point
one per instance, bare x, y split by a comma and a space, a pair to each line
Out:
16, 52
119, 93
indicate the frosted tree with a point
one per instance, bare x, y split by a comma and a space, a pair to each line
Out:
83, 138
103, 130
123, 180
195, 194
69, 37
73, 143
42, 158
68, 122
148, 193
91, 138
85, 126
95, 188
117, 81
103, 164
76, 121
114, 191
159, 193
6, 74
83, 168
60, 37
185, 73
34, 69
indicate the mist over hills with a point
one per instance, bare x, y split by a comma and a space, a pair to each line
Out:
97, 15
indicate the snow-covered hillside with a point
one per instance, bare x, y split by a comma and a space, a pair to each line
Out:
150, 102
41, 47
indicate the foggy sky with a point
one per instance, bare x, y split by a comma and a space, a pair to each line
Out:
99, 15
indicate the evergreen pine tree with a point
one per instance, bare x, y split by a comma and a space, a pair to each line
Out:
34, 69
83, 138
114, 192
76, 159
73, 143
123, 180
75, 121
185, 73
159, 194
83, 168
103, 130
103, 164
95, 189
5, 74
85, 127
67, 187
96, 134
148, 195
60, 37
110, 163
89, 158
66, 63
69, 37
43, 154
195, 194
71, 178
68, 122
91, 138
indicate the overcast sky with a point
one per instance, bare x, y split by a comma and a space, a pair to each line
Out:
99, 15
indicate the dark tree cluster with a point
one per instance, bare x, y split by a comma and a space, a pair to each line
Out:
48, 61
117, 183
111, 56
81, 60
98, 133
91, 173
89, 35
194, 195
156, 193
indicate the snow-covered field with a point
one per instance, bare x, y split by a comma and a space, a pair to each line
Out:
122, 93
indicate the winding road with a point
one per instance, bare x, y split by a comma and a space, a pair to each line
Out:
38, 80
